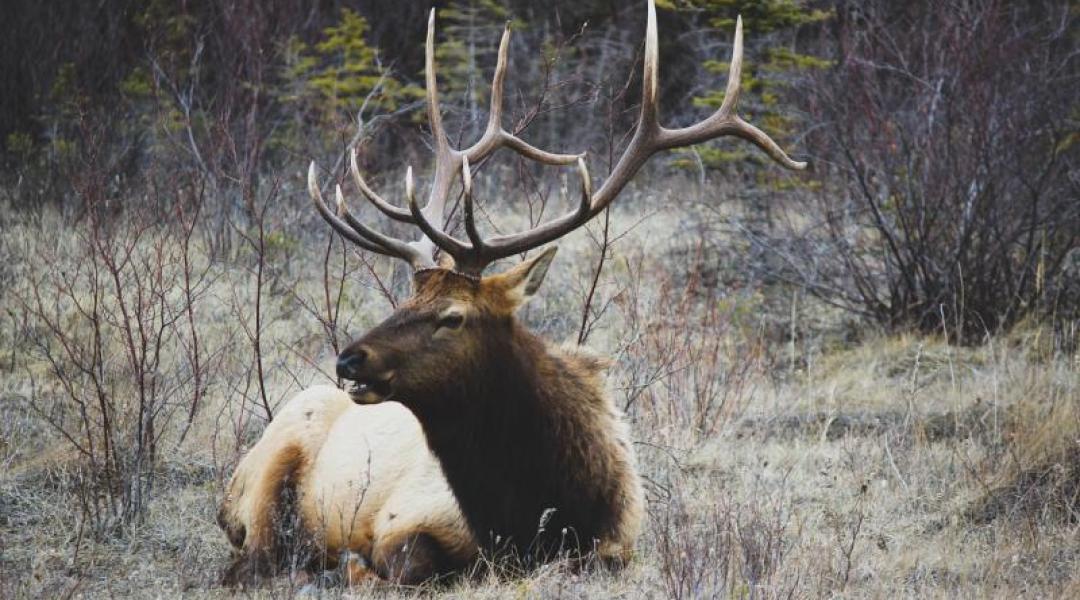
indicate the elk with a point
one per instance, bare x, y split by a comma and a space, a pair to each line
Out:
530, 442
524, 433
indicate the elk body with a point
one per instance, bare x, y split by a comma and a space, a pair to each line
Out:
528, 440
332, 484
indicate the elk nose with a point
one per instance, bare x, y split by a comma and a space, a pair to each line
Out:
350, 362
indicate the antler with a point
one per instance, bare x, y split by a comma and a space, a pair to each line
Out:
448, 162
649, 138
474, 255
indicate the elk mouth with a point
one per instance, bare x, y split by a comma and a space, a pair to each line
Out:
371, 390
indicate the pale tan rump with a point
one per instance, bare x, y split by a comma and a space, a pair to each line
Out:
363, 476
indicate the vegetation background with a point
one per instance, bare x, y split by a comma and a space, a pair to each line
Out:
859, 381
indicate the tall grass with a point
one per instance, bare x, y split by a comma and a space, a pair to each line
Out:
780, 459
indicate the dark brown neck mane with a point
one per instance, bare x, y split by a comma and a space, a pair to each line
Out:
529, 448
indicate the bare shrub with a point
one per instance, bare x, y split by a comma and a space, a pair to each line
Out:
948, 163
720, 548
683, 367
112, 318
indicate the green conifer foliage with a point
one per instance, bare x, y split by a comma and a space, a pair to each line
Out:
341, 71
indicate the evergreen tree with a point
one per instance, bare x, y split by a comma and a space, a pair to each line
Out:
341, 71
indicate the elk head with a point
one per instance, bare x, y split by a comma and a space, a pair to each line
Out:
452, 325
449, 324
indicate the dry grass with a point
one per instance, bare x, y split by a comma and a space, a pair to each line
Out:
894, 466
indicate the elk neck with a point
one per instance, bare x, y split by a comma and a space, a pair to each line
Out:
532, 438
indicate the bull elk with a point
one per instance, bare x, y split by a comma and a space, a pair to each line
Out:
536, 454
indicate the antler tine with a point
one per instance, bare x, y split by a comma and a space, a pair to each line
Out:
495, 109
734, 76
635, 155
331, 218
586, 191
394, 245
470, 217
447, 162
395, 213
495, 135
354, 231
639, 150
481, 253
420, 252
434, 112
651, 137
648, 121
725, 122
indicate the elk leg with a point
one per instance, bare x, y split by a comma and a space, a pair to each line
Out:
410, 559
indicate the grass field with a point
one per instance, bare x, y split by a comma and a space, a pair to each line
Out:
788, 451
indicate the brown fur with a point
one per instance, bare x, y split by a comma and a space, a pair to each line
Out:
330, 482
519, 426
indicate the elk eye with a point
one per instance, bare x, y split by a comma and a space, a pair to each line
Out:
451, 321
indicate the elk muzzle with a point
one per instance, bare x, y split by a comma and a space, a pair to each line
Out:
370, 383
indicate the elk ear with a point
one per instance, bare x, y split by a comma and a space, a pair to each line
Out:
522, 281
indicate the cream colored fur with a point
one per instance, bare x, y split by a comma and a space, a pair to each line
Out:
363, 474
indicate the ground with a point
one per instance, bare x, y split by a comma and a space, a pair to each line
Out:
787, 450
